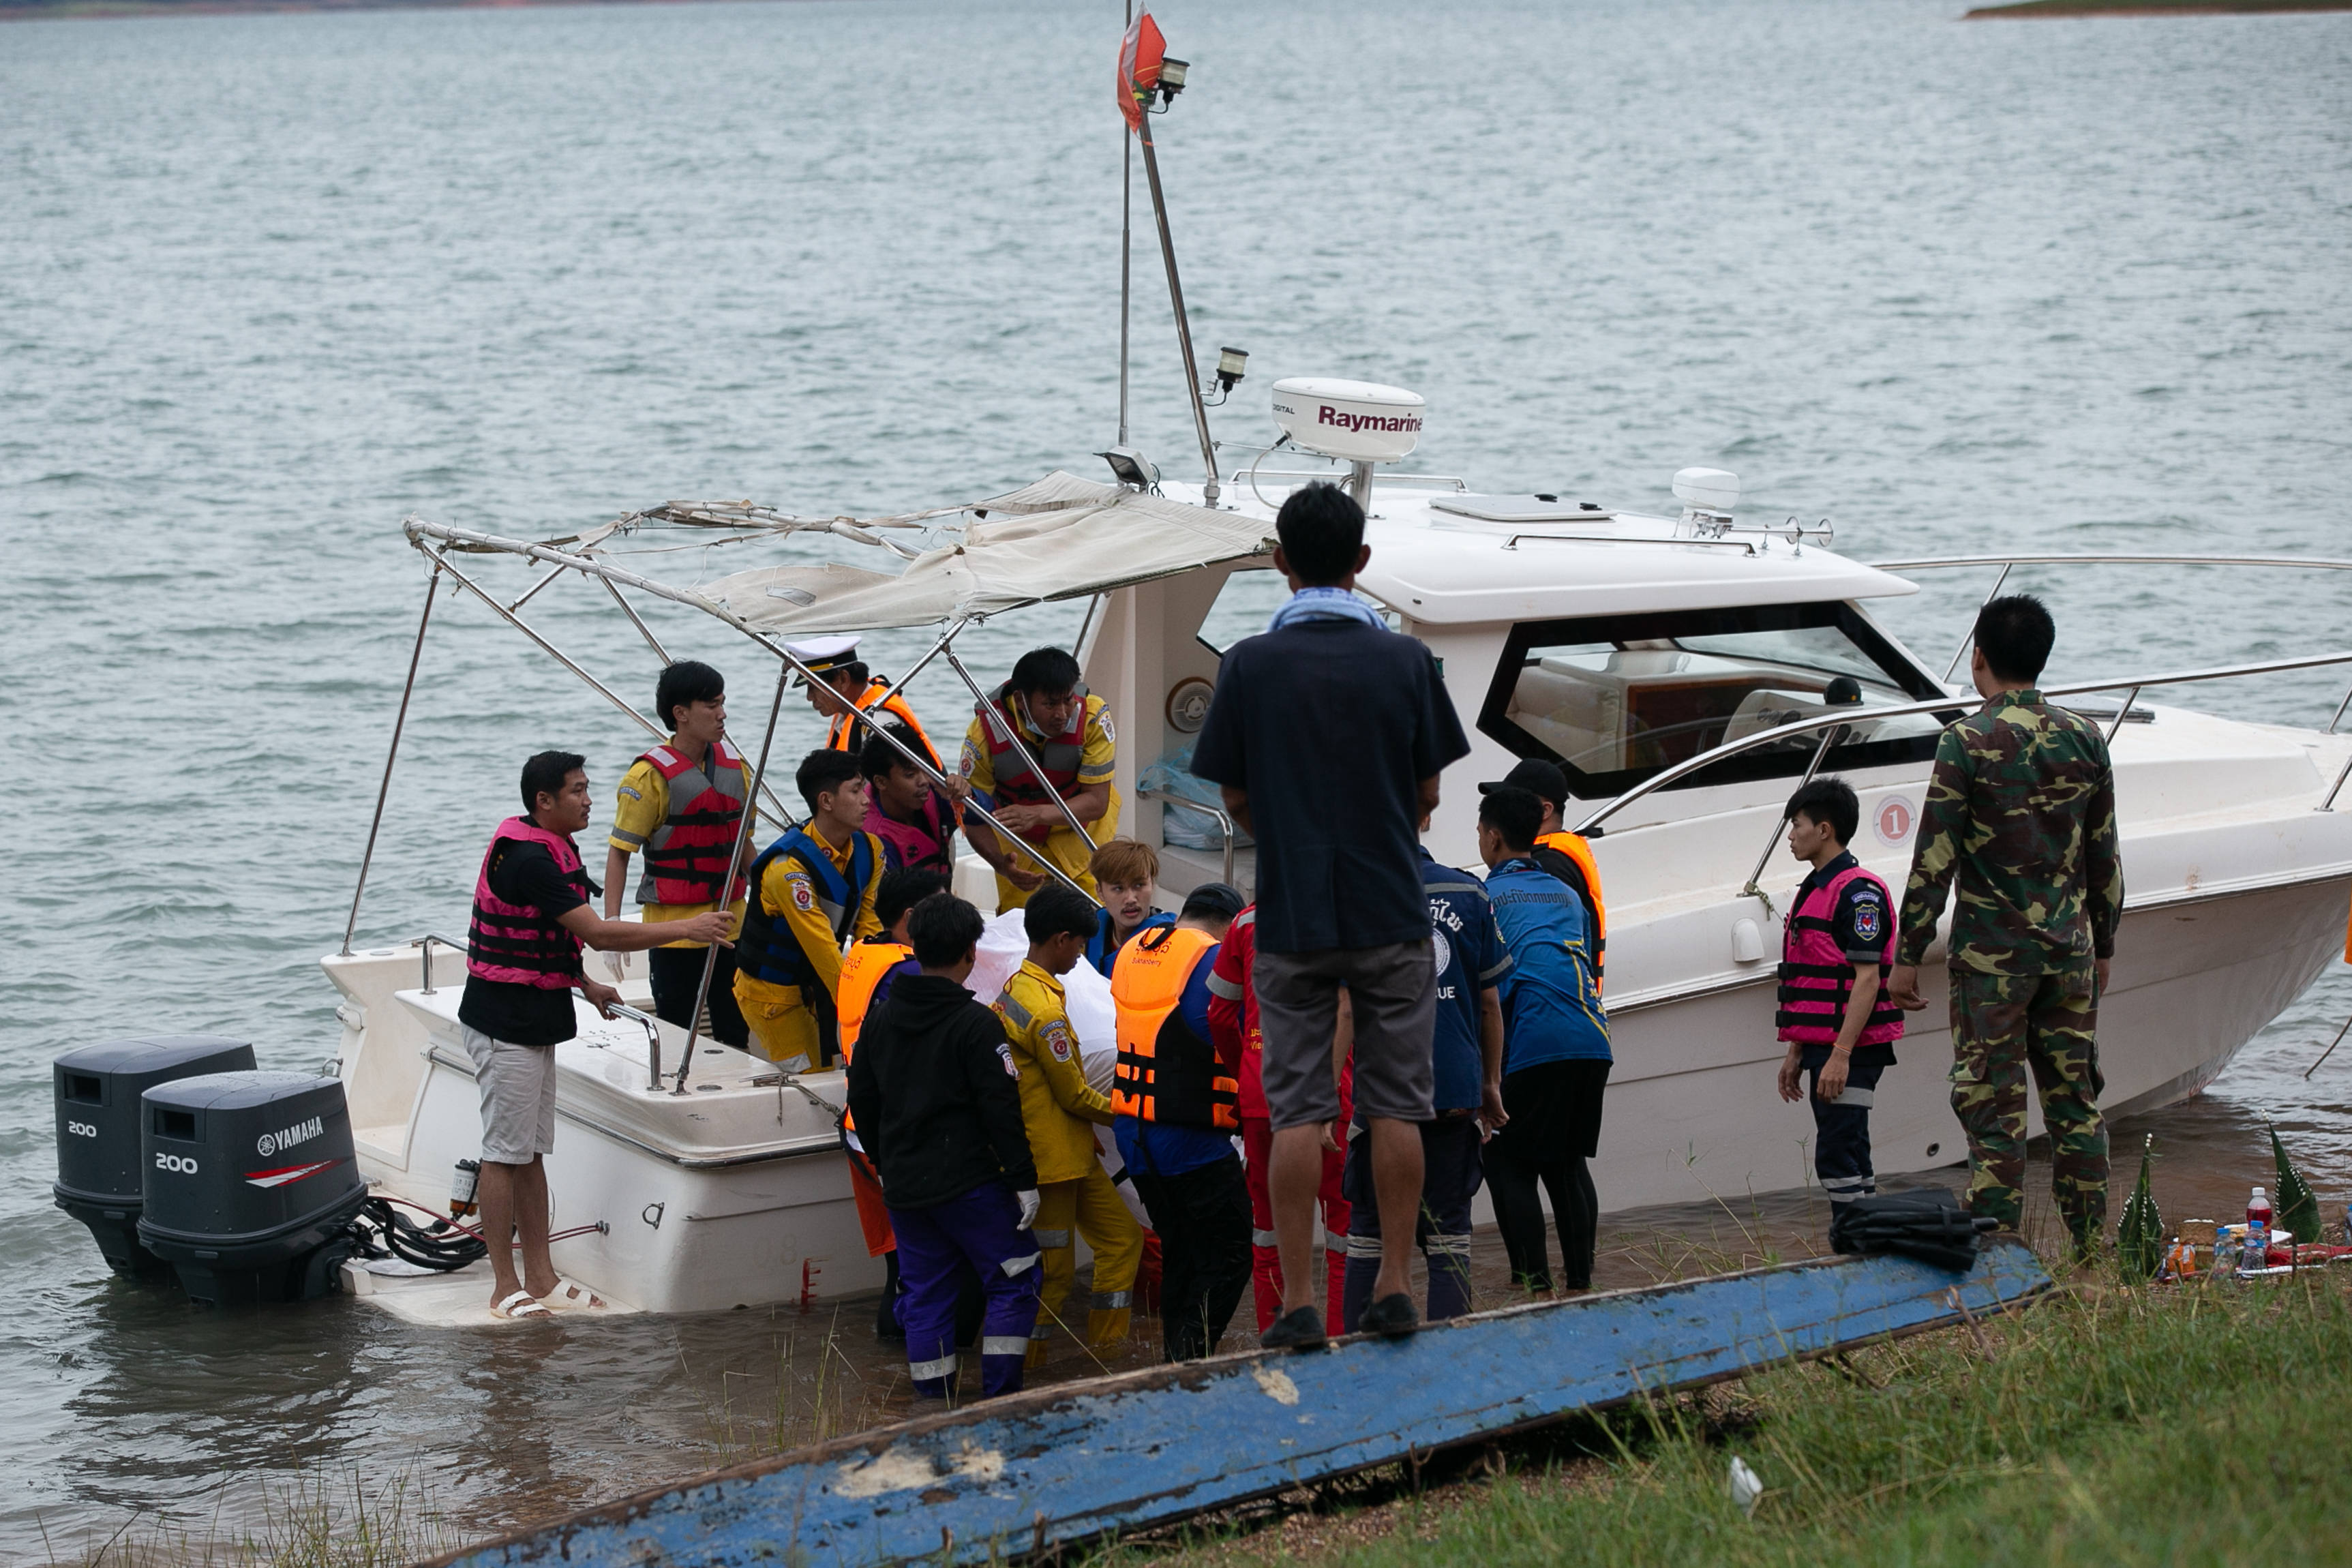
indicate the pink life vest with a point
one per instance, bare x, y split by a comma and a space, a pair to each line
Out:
1817, 978
516, 942
923, 844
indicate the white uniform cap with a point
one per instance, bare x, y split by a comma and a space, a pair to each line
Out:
823, 655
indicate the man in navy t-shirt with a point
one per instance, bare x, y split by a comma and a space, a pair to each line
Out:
1467, 1065
1329, 732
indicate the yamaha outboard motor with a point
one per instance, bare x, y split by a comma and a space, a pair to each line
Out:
251, 1184
99, 1161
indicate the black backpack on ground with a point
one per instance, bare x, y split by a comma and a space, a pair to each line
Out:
1927, 1224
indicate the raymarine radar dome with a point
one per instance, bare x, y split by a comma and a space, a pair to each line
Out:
1353, 421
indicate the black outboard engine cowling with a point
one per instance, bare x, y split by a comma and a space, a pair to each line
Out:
99, 1164
251, 1184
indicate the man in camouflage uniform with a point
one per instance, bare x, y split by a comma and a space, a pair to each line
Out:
2021, 815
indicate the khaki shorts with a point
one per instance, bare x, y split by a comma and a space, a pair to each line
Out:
518, 1085
1393, 993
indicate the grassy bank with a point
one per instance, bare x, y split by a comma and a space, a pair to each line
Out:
2101, 1427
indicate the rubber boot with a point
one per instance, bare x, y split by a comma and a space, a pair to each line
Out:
1107, 1328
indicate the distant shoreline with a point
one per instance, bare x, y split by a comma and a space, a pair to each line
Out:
2151, 8
108, 10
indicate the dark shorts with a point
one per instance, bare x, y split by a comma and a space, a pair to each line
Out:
1555, 1112
1453, 1170
1393, 991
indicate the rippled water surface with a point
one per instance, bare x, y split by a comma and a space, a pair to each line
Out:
268, 284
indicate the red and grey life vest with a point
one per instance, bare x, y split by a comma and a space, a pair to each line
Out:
1166, 1073
687, 855
768, 949
1816, 977
1058, 757
516, 943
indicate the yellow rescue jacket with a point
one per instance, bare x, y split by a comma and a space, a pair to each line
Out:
1056, 1103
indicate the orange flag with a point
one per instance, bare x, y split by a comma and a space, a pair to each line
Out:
1140, 54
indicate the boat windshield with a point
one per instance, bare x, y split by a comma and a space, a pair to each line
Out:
1614, 699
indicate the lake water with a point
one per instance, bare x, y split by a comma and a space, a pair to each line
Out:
268, 284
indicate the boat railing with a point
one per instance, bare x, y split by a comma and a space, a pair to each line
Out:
2011, 563
423, 944
1224, 823
1832, 722
646, 1022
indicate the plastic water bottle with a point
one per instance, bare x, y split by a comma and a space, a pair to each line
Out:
2256, 1252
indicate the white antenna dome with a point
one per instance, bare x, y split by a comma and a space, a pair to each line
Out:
1353, 421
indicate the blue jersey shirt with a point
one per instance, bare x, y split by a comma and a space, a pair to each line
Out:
1102, 955
1470, 957
1166, 1149
1550, 1011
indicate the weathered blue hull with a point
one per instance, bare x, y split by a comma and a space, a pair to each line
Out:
1144, 1449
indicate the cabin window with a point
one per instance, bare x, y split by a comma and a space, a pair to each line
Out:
1615, 699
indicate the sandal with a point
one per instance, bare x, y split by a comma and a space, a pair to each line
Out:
522, 1304
575, 1295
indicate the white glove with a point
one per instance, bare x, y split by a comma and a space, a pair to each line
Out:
617, 963
1029, 1200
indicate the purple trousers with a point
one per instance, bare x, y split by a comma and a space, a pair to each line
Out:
979, 1227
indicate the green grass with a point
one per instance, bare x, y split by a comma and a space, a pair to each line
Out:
315, 1521
2105, 1426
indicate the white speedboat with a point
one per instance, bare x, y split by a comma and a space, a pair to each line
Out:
1685, 670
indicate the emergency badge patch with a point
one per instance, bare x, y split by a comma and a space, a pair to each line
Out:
1005, 1054
1058, 1041
804, 895
1869, 919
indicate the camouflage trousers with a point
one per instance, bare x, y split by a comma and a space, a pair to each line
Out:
2001, 1026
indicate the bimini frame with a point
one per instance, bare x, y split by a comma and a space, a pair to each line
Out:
435, 542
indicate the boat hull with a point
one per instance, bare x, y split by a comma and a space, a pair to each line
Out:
1692, 1114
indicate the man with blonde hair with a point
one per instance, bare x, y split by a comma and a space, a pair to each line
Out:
1126, 879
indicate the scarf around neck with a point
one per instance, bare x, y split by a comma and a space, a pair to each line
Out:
1325, 605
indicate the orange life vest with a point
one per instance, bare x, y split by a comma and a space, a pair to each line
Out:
862, 969
850, 731
1577, 848
1166, 1072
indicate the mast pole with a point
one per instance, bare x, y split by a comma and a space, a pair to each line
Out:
384, 791
1125, 253
1183, 329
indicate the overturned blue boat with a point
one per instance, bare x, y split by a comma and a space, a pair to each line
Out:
1140, 1449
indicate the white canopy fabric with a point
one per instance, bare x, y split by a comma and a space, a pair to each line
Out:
1058, 539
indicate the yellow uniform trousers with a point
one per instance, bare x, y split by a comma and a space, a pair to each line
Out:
1064, 850
782, 1028
1089, 1206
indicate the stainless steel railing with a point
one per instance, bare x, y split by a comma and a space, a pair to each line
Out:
1847, 716
2009, 562
424, 946
1224, 823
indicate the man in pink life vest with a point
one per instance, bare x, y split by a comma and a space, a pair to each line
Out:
531, 913
1840, 1022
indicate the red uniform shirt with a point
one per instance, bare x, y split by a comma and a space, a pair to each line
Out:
1233, 1020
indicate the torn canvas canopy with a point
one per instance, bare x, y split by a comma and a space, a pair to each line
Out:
1061, 538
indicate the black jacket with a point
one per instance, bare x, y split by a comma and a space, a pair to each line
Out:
933, 1091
